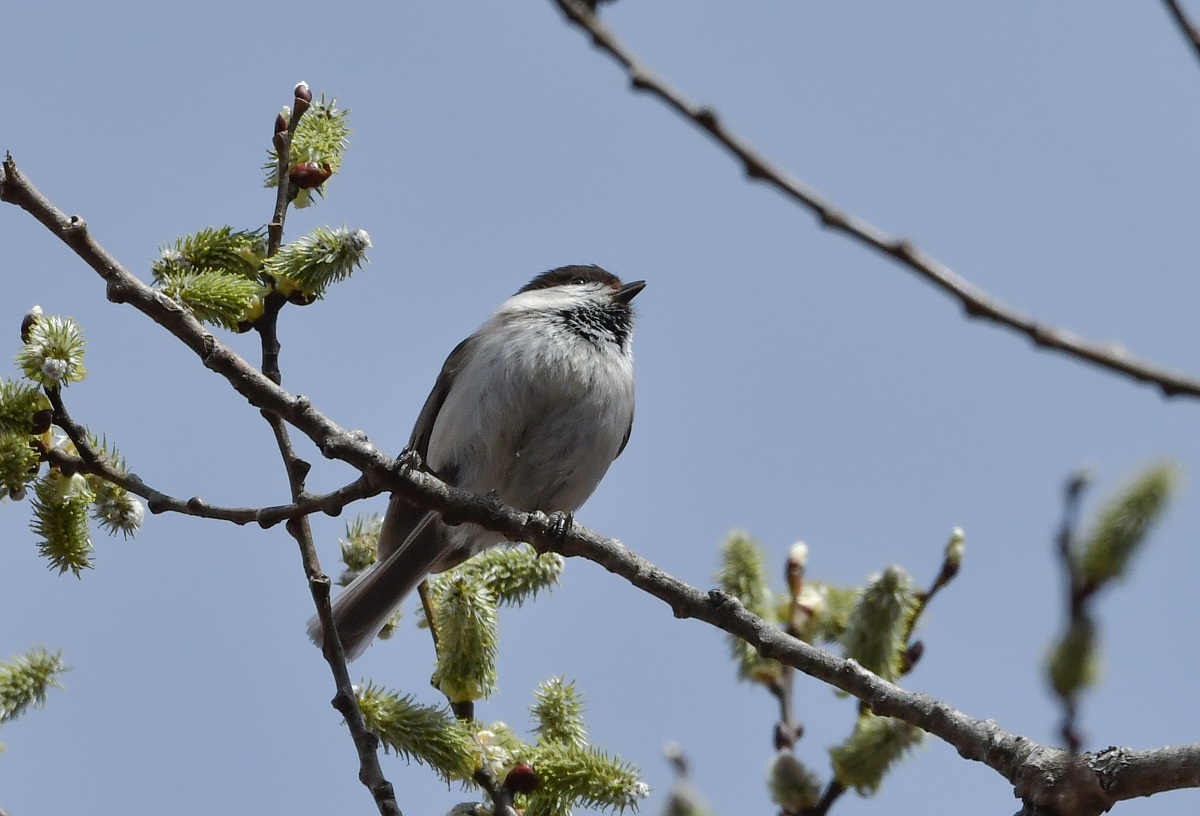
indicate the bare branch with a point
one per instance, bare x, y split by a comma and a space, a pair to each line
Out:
345, 701
976, 302
1130, 774
331, 504
1076, 595
1041, 775
1185, 25
90, 461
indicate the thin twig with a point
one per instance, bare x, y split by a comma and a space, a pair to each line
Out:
1038, 773
833, 791
345, 700
914, 650
1185, 25
976, 302
501, 796
1077, 591
282, 142
89, 460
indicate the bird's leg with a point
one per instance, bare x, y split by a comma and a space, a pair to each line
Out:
561, 524
409, 459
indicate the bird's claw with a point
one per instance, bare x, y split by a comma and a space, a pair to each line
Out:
409, 459
560, 525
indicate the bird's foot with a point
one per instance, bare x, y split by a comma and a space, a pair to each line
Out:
560, 525
409, 459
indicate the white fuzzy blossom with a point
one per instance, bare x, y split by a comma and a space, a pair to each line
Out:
118, 510
494, 747
798, 554
54, 369
75, 485
53, 353
172, 256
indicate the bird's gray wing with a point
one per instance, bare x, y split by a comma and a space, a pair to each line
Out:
423, 430
625, 441
403, 517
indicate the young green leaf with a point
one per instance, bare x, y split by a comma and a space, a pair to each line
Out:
429, 735
1125, 521
467, 638
60, 520
874, 747
875, 633
25, 680
310, 264
558, 713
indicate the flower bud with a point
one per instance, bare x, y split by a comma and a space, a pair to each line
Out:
42, 420
954, 552
522, 779
303, 99
797, 558
28, 321
307, 175
912, 656
785, 736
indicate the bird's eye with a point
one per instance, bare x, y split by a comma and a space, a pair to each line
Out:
579, 281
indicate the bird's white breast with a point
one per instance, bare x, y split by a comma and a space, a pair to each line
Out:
537, 414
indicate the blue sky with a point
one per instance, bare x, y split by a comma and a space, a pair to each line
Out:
790, 382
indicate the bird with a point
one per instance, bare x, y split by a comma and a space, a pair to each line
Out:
531, 409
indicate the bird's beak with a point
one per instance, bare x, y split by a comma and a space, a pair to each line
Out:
627, 292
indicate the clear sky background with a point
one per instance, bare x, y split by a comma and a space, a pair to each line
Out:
789, 382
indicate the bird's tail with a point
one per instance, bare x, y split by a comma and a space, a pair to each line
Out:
363, 607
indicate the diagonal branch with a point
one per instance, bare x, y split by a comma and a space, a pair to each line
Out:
975, 302
1043, 776
1188, 28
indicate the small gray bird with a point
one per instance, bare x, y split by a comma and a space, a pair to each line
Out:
533, 408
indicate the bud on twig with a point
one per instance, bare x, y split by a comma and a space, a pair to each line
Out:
522, 779
41, 421
797, 558
28, 322
952, 560
303, 99
912, 656
307, 175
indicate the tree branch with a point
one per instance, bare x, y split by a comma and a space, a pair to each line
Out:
976, 302
345, 701
331, 504
1039, 773
1185, 25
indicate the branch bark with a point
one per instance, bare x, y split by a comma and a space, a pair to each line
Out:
1043, 777
976, 302
1188, 28
345, 701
